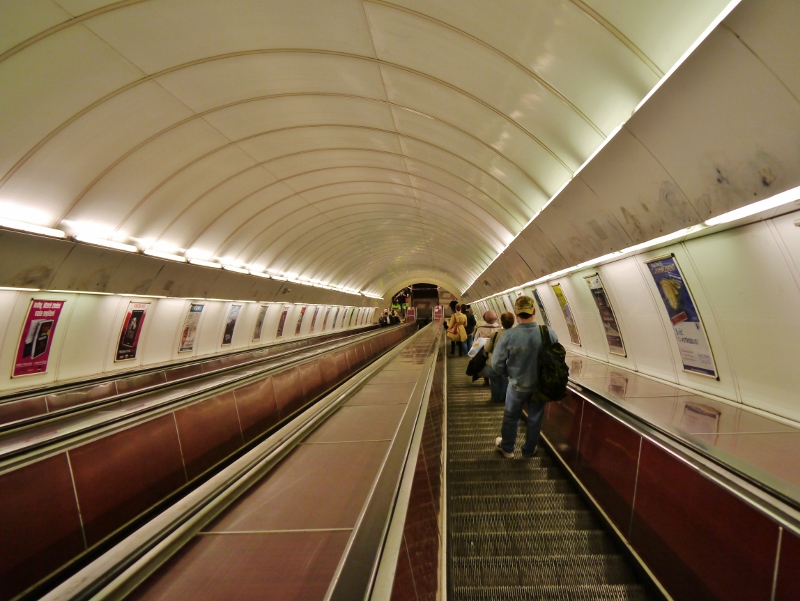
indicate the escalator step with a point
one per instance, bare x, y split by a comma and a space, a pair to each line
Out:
523, 521
544, 542
476, 475
556, 570
507, 503
592, 592
518, 487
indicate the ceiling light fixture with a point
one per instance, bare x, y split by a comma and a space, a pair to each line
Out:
204, 263
150, 252
30, 228
106, 243
235, 269
772, 202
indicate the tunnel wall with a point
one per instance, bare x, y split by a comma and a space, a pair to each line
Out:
87, 333
745, 283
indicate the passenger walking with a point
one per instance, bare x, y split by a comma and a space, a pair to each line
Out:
471, 324
498, 383
456, 332
516, 356
489, 327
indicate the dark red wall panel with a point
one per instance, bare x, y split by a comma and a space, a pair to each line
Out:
22, 409
700, 541
607, 463
789, 569
122, 475
39, 524
257, 408
562, 424
288, 391
311, 380
80, 396
209, 432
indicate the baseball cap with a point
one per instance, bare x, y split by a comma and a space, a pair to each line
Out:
524, 304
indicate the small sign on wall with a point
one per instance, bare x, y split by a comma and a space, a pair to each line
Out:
568, 317
610, 325
689, 332
300, 320
131, 330
259, 325
540, 306
282, 320
33, 351
230, 324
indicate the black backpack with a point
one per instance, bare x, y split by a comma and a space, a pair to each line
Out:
552, 369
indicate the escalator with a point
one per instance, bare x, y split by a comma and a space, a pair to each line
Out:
518, 528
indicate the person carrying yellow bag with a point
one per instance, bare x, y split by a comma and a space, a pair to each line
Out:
457, 333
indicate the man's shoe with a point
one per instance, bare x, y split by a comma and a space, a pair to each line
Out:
500, 449
526, 456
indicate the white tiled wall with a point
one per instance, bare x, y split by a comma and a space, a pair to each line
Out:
746, 285
88, 330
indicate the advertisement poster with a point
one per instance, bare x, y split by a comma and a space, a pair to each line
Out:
300, 320
131, 329
260, 318
509, 304
411, 315
230, 324
689, 332
335, 317
314, 320
573, 329
282, 320
190, 327
540, 306
610, 325
37, 336
353, 317
325, 321
438, 312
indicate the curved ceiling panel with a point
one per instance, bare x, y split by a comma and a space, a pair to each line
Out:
359, 142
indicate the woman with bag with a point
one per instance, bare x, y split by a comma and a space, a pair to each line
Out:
456, 332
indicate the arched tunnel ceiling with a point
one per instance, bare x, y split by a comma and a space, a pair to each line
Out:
362, 143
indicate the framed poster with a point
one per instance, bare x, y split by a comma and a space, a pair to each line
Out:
411, 315
438, 312
571, 326
300, 320
325, 321
509, 303
335, 317
282, 320
610, 325
230, 324
693, 343
540, 306
131, 329
314, 320
36, 338
189, 330
259, 325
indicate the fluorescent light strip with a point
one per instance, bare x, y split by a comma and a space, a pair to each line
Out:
164, 255
204, 263
261, 274
31, 228
15, 289
235, 269
772, 202
107, 243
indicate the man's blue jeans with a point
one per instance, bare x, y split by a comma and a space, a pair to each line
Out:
498, 384
511, 415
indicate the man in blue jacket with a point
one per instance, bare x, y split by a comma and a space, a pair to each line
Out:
516, 356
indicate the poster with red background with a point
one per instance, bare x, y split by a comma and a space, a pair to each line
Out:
37, 337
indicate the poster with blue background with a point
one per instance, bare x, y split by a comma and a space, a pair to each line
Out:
689, 332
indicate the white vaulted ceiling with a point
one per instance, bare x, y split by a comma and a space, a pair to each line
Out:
361, 143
